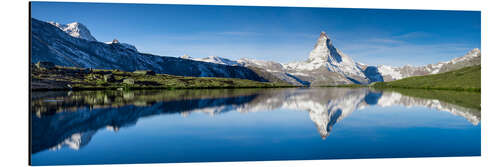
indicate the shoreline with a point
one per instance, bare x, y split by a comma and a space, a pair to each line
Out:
402, 87
245, 87
158, 88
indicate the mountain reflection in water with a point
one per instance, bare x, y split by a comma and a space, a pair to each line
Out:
70, 119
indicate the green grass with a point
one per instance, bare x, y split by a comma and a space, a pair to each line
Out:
81, 79
468, 78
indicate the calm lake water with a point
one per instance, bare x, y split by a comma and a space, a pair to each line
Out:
159, 126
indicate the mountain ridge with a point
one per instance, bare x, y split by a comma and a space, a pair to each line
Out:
333, 67
325, 58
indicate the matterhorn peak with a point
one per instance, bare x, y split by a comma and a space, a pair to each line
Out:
323, 35
75, 29
324, 50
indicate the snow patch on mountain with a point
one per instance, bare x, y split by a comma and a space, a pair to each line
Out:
270, 66
390, 71
470, 55
217, 60
75, 29
125, 45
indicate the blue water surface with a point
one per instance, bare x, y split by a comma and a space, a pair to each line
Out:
283, 124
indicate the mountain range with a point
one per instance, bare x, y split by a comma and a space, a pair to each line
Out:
73, 45
327, 65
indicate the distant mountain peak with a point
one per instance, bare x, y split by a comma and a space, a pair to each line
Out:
186, 56
75, 29
126, 45
470, 55
474, 52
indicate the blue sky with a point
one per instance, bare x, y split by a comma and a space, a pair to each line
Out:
282, 34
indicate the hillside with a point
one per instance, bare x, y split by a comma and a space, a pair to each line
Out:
468, 78
58, 77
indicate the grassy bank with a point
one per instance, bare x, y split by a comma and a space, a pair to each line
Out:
65, 78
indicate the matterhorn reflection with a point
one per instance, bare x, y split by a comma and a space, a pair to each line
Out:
70, 119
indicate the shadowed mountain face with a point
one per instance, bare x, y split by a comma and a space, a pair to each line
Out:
70, 119
66, 45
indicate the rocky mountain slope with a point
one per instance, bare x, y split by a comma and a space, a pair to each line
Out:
73, 45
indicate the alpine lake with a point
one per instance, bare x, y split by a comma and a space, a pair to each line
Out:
208, 125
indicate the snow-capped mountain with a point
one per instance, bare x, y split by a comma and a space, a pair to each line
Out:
325, 55
72, 45
327, 65
76, 30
